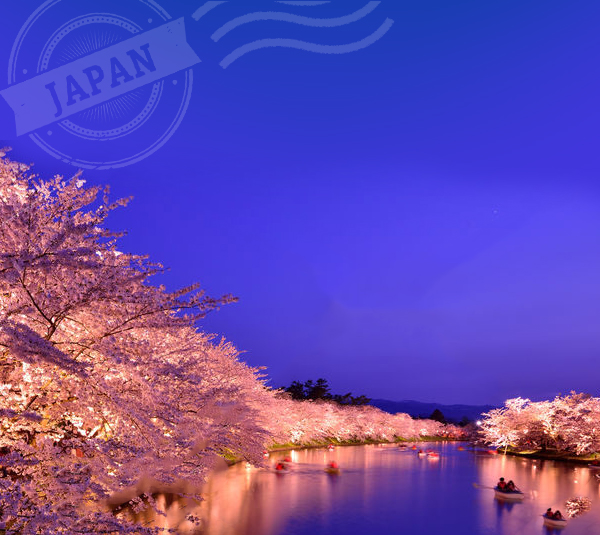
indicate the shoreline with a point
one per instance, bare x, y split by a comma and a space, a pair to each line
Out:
553, 456
339, 443
323, 444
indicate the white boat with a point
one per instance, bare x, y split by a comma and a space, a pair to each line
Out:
512, 495
554, 522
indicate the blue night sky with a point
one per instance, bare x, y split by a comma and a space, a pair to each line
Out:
416, 220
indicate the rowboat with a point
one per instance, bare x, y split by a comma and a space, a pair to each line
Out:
512, 495
332, 468
282, 466
554, 522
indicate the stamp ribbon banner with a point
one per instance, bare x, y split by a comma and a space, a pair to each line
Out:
98, 77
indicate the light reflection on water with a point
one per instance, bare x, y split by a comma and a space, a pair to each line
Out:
385, 490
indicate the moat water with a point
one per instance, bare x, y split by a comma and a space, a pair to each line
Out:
385, 490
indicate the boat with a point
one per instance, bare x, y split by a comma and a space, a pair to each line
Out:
554, 522
512, 495
332, 468
433, 455
281, 467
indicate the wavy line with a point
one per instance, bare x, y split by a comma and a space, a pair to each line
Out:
309, 47
298, 19
304, 3
208, 6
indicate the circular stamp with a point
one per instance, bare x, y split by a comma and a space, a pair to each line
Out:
100, 84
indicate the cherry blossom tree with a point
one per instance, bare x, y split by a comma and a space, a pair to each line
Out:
569, 424
103, 376
310, 422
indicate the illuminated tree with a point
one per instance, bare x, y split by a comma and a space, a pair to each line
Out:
306, 422
568, 424
103, 376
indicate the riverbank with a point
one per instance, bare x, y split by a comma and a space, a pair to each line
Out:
231, 460
551, 455
336, 442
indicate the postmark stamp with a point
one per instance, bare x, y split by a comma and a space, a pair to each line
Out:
110, 83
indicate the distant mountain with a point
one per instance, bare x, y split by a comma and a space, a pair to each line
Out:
416, 409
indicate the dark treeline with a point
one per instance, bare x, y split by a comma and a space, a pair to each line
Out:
438, 416
319, 389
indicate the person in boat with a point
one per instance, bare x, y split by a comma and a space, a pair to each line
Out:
332, 468
511, 487
549, 513
557, 515
501, 484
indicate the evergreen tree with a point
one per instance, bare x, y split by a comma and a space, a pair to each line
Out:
437, 416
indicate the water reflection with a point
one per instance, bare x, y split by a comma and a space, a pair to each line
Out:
383, 489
